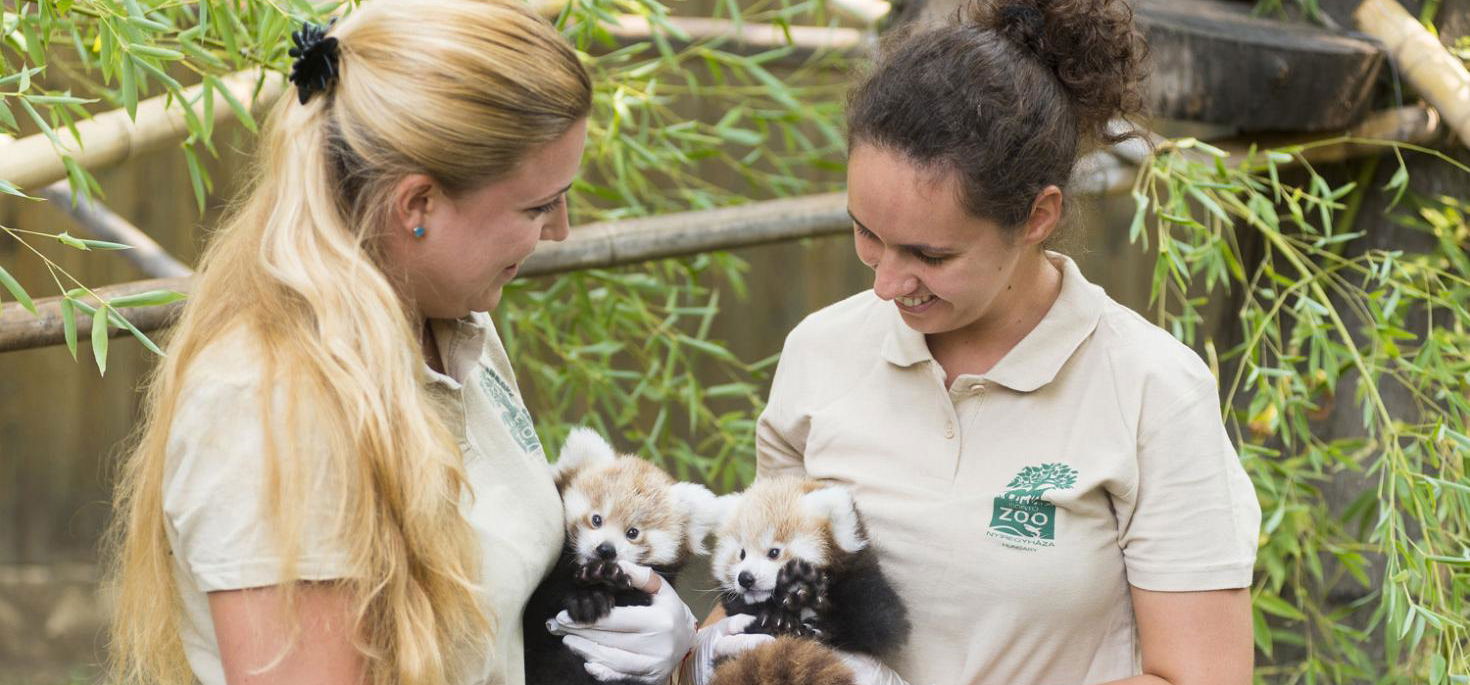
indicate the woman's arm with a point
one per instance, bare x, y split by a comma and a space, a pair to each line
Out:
1193, 638
255, 635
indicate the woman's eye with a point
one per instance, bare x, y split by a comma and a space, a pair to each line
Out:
773, 553
596, 521
928, 259
550, 206
742, 555
864, 232
632, 533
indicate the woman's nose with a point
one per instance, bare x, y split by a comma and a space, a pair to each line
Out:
557, 228
890, 282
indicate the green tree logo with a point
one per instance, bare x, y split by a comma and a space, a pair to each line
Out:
1033, 481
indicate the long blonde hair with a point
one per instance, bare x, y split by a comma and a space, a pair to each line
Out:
460, 90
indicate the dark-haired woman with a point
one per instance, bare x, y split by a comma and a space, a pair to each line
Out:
1045, 474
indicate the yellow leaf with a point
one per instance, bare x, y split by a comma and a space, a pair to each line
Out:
97, 43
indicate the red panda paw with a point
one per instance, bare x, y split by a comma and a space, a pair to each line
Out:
603, 574
588, 605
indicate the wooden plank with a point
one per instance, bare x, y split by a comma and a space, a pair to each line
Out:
1212, 62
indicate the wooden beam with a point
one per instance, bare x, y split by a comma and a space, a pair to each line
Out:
598, 245
1212, 62
1215, 63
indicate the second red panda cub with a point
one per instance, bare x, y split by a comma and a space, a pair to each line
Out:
794, 553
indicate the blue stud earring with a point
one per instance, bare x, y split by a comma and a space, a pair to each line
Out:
418, 231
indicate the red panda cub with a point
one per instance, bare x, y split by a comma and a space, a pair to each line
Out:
617, 508
794, 553
786, 661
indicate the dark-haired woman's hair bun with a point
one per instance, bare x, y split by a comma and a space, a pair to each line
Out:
1091, 45
1020, 21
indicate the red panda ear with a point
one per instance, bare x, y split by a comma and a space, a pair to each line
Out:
724, 508
584, 447
836, 506
698, 506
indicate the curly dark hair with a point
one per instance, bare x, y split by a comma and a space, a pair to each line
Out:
1008, 93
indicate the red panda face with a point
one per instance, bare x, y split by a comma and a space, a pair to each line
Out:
616, 514
776, 521
622, 508
746, 562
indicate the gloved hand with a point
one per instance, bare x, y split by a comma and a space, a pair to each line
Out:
867, 670
725, 637
639, 643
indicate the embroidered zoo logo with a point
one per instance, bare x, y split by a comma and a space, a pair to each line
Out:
514, 415
1021, 514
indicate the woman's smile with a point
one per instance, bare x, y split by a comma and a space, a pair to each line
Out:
915, 305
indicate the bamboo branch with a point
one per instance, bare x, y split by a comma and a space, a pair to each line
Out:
111, 137
98, 220
1426, 65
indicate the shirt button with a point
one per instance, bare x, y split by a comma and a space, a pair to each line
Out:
949, 430
977, 387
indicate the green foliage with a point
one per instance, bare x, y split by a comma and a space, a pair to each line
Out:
619, 349
119, 53
629, 350
1381, 337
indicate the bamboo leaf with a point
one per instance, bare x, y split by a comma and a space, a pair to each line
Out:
241, 112
9, 189
67, 239
197, 176
149, 298
16, 291
69, 325
99, 339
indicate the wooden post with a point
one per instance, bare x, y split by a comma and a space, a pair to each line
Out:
1438, 76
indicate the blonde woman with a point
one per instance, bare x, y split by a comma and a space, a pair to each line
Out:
336, 480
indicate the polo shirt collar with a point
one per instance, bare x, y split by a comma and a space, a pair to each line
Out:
1037, 359
460, 342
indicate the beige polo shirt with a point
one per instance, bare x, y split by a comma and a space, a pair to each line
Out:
1013, 509
215, 475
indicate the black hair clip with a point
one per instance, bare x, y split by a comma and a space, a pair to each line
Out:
315, 68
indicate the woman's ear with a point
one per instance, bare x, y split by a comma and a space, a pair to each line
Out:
1046, 216
414, 197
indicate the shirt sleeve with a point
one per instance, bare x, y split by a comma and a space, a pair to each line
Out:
216, 487
781, 432
1192, 521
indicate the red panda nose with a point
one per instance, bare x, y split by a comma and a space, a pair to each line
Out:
607, 551
746, 579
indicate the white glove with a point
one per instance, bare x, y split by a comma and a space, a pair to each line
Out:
867, 670
725, 637
638, 643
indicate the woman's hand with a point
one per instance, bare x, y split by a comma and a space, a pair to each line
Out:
867, 670
723, 638
641, 643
